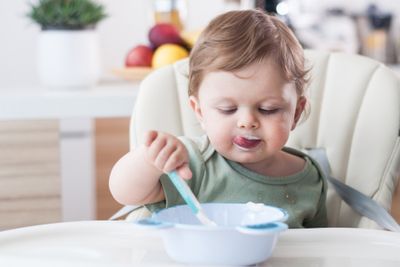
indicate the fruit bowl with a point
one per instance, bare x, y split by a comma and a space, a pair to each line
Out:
132, 73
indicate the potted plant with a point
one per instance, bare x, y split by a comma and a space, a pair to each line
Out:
68, 50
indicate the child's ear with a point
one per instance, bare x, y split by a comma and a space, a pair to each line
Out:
301, 104
195, 104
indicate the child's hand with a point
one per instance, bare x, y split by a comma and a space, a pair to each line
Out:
167, 153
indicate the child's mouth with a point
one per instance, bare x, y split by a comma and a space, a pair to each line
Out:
247, 142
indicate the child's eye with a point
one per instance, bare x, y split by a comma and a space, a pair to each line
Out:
227, 110
268, 111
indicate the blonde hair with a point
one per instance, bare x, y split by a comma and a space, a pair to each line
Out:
237, 39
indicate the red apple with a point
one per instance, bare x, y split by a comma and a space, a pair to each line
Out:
139, 56
164, 33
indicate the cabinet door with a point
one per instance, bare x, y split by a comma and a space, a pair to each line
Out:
112, 142
29, 173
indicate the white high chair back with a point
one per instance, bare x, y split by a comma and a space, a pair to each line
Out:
355, 117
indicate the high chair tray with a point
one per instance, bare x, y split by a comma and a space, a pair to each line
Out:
118, 243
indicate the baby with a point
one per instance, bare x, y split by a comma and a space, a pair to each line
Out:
247, 89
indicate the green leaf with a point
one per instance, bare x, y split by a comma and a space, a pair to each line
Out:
66, 14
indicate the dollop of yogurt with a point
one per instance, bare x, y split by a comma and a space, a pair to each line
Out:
251, 215
255, 207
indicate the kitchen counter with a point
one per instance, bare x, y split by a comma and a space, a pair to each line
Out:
112, 99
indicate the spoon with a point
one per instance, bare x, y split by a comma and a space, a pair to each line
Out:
190, 199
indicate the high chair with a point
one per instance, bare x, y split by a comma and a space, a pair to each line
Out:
355, 117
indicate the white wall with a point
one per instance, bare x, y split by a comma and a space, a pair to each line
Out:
126, 26
17, 55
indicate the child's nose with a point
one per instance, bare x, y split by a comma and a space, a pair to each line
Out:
248, 121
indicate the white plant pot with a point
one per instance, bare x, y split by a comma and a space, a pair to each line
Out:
68, 59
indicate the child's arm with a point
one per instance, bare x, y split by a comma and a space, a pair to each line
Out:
134, 179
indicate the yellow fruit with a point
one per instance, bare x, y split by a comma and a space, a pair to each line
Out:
168, 54
190, 37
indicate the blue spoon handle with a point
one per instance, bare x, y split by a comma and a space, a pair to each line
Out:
190, 199
185, 191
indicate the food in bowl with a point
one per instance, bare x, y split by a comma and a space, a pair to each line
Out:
245, 233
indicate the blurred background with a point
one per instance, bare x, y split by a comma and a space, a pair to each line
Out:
358, 26
30, 160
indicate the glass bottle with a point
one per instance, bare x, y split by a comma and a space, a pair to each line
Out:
170, 11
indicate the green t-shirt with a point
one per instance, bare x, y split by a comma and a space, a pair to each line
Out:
217, 179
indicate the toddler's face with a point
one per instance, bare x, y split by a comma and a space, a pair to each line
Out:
248, 114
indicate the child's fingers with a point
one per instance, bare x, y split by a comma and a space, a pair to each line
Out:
167, 153
184, 171
149, 137
164, 155
155, 147
175, 159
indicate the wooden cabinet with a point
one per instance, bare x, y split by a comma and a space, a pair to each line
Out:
30, 179
111, 142
29, 173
